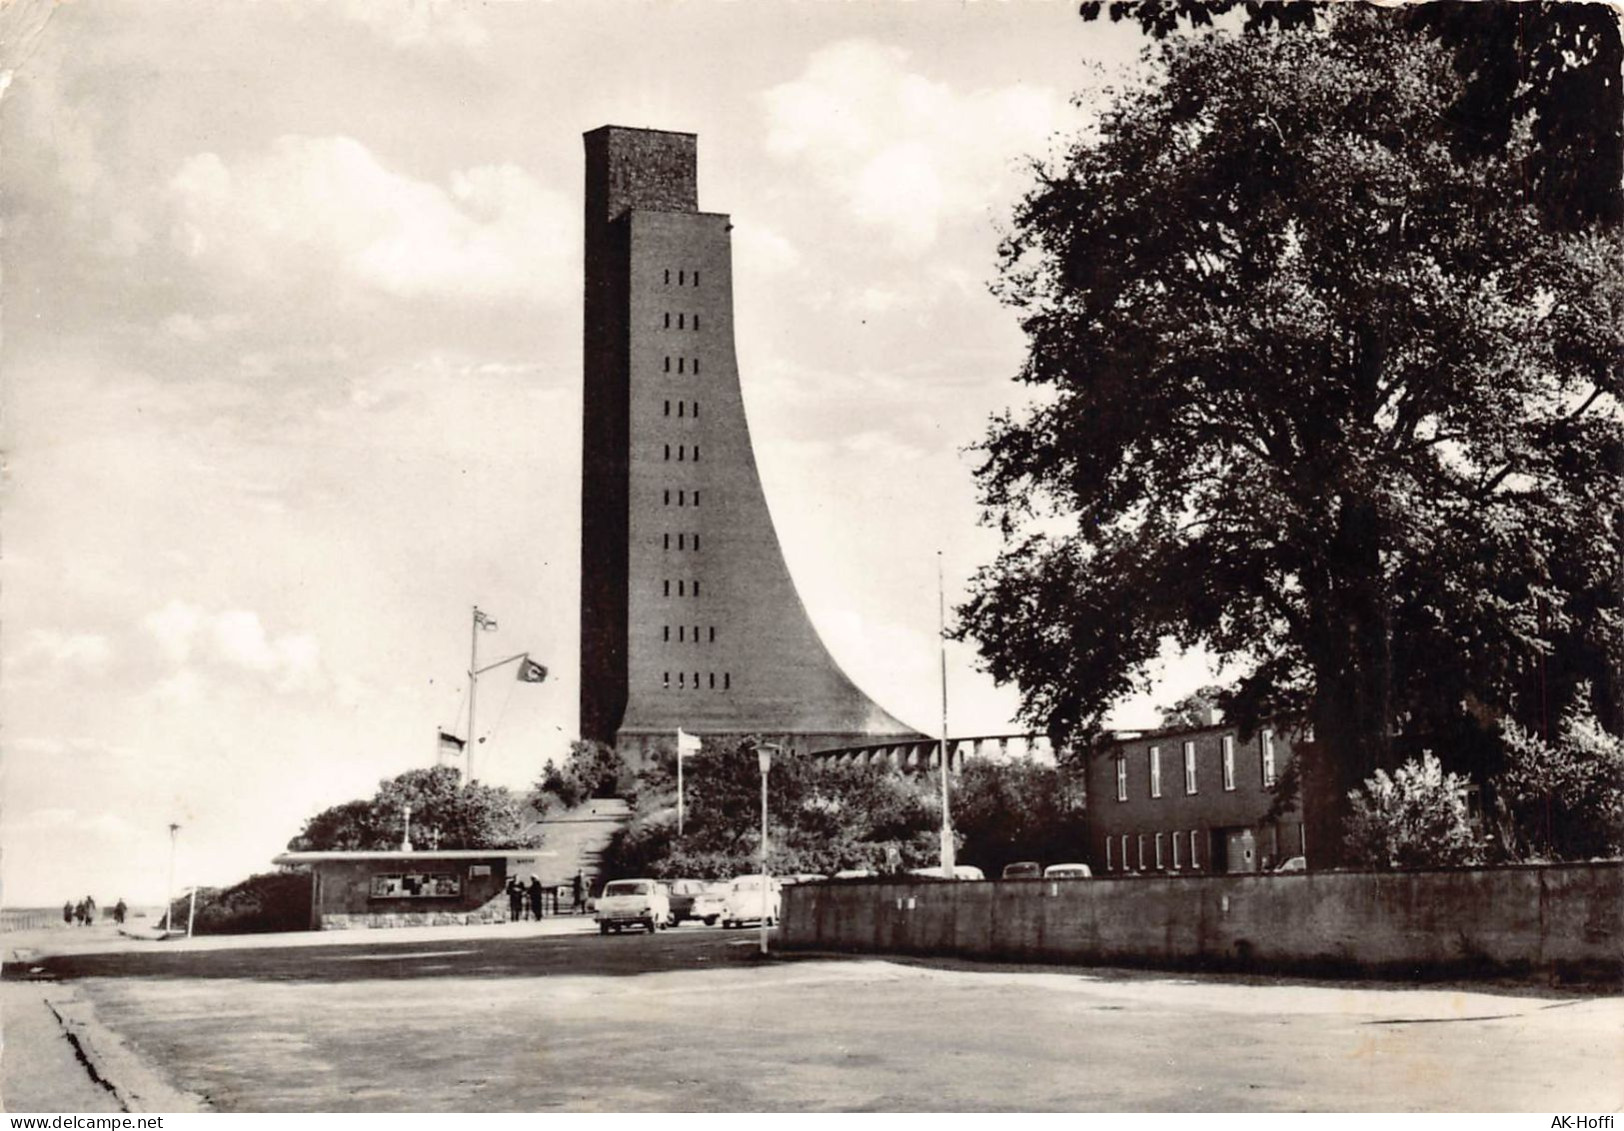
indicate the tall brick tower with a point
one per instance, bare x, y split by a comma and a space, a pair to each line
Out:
689, 617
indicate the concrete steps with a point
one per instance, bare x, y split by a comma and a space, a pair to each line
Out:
578, 837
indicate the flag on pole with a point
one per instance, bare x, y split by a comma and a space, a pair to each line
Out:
450, 746
686, 743
486, 622
530, 671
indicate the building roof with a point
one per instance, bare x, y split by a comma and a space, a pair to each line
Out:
416, 854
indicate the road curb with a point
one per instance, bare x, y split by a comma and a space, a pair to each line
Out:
113, 1064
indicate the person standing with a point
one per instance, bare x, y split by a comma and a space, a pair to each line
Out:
577, 889
90, 912
515, 900
534, 892
120, 909
67, 912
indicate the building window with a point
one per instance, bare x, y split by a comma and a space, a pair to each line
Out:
696, 453
668, 276
696, 681
1122, 777
1229, 761
667, 681
668, 364
668, 587
1175, 852
696, 587
696, 403
680, 362
667, 633
668, 497
713, 681
696, 537
668, 541
727, 681
696, 321
696, 634
1158, 852
679, 322
1155, 771
682, 681
713, 634
679, 277
696, 367
668, 408
680, 538
680, 592
1189, 767
696, 278
1195, 859
1108, 867
668, 320
1141, 852
1125, 866
680, 406
668, 451
681, 448
696, 497
1268, 759
682, 498
682, 633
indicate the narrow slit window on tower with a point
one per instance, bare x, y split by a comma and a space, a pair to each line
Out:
696, 541
668, 497
696, 681
696, 496
668, 276
682, 498
668, 541
696, 321
666, 634
713, 681
680, 587
668, 408
682, 632
727, 681
668, 451
696, 634
668, 320
696, 410
668, 587
681, 449
680, 363
666, 682
682, 409
680, 539
696, 587
696, 278
696, 453
668, 364
682, 680
713, 634
679, 277
696, 367
681, 319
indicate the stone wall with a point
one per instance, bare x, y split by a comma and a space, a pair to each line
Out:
1536, 921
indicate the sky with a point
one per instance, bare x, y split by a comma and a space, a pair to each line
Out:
290, 375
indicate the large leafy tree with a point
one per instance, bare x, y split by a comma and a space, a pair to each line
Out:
446, 813
1312, 388
1550, 66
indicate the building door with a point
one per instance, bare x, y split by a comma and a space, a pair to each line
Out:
1240, 850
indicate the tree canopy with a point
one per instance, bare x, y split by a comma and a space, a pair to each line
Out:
1311, 388
446, 813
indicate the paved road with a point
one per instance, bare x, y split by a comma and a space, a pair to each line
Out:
693, 1020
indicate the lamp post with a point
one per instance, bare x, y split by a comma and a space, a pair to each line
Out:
764, 756
169, 890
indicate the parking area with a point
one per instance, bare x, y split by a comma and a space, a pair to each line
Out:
693, 1020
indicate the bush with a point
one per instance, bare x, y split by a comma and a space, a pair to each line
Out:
270, 901
1414, 819
1563, 801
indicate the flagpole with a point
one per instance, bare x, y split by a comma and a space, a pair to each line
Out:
941, 629
473, 691
679, 783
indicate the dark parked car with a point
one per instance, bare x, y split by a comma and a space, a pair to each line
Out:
683, 893
1024, 870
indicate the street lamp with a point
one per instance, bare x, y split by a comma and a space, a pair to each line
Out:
764, 756
169, 890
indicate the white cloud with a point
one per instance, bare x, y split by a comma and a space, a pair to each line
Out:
315, 206
74, 649
234, 639
418, 23
762, 251
903, 151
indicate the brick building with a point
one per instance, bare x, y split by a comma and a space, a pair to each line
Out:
1190, 801
689, 617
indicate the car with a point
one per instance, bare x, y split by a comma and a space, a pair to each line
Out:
746, 902
683, 895
801, 878
1068, 872
853, 874
709, 904
960, 872
633, 903
1293, 864
1023, 870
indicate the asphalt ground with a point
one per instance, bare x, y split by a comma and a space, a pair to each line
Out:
509, 1019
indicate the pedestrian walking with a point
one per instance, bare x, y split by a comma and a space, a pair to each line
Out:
515, 900
90, 911
534, 891
120, 909
578, 890
67, 912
